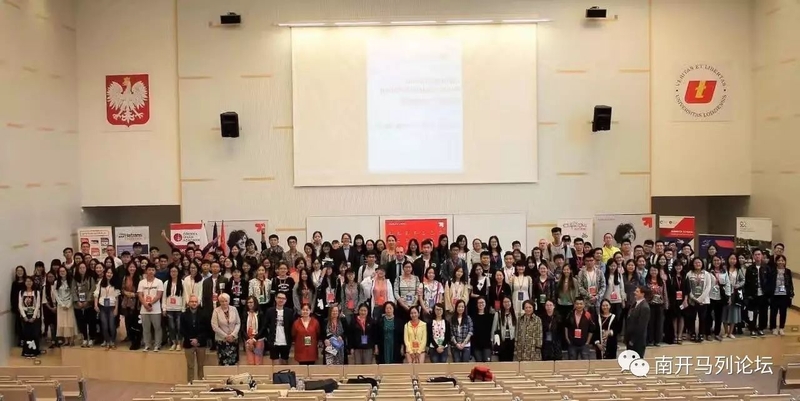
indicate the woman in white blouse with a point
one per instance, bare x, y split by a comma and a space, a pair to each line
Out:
193, 284
259, 288
474, 254
105, 303
521, 286
698, 282
173, 306
226, 325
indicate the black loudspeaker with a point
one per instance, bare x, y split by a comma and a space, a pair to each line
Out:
602, 118
230, 19
595, 12
229, 124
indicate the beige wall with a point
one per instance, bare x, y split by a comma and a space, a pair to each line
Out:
701, 158
776, 77
39, 158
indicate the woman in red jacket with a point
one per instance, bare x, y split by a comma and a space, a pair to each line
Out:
305, 335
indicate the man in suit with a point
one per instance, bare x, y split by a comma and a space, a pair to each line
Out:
426, 260
195, 326
636, 323
213, 287
756, 292
394, 268
346, 253
578, 329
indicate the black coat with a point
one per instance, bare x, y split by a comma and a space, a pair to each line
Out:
753, 276
220, 288
419, 266
261, 334
289, 316
772, 280
448, 334
238, 301
197, 328
354, 333
338, 256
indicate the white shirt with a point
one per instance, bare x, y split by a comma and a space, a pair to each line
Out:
509, 272
172, 302
280, 334
150, 291
106, 293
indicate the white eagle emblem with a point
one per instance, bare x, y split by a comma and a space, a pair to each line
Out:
125, 101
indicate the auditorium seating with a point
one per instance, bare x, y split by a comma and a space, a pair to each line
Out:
37, 383
527, 381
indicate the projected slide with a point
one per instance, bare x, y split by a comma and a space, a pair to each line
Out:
414, 106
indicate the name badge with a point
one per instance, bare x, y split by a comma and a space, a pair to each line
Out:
520, 295
236, 301
431, 303
214, 297
307, 340
592, 290
173, 301
81, 297
577, 333
409, 298
542, 298
781, 288
330, 296
679, 295
614, 296
507, 334
440, 341
262, 299
222, 286
364, 340
548, 336
148, 299
415, 345
497, 305
106, 302
351, 304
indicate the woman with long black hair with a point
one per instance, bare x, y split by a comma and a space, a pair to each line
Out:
16, 287
732, 312
442, 250
83, 286
479, 288
105, 304
389, 332
495, 254
304, 291
503, 327
49, 308
130, 304
676, 283
698, 287
615, 289
609, 326
551, 339
327, 293
173, 306
65, 316
29, 309
718, 298
658, 300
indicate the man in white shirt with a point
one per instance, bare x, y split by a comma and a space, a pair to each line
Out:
111, 252
150, 291
556, 247
368, 270
69, 262
279, 329
508, 267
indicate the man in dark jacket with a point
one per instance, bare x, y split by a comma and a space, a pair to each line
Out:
195, 325
578, 329
636, 323
279, 330
757, 292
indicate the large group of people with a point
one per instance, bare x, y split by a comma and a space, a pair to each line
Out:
361, 301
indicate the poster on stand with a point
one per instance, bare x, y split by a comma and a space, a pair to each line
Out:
183, 233
94, 240
420, 229
680, 229
753, 232
635, 227
577, 228
237, 232
127, 236
724, 244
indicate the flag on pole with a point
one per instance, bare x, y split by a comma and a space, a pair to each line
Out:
214, 233
223, 244
203, 235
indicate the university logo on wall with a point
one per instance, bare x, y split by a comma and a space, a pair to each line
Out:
702, 93
128, 99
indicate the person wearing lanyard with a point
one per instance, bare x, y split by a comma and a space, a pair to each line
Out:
578, 331
259, 288
150, 291
238, 290
405, 288
508, 268
377, 291
591, 284
432, 292
360, 334
254, 331
105, 304
457, 289
327, 294
462, 329
521, 285
544, 289
503, 327
415, 338
499, 291
280, 319
608, 326
192, 283
83, 287
439, 336
528, 345
305, 335
479, 288
226, 325
351, 294
551, 340
698, 285
304, 291
782, 292
172, 299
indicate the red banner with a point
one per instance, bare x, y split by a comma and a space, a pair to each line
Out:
421, 229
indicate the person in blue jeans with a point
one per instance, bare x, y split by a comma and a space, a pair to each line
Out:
462, 332
105, 303
439, 335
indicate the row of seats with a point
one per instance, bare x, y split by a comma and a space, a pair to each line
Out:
42, 383
579, 386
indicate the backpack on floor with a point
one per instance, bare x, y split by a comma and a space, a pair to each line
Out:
481, 374
326, 384
362, 380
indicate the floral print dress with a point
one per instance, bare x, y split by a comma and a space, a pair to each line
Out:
528, 339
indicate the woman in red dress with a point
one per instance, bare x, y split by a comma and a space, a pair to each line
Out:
305, 335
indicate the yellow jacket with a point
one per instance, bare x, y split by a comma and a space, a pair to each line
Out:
416, 339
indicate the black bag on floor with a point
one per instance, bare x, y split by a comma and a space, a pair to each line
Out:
326, 384
362, 380
442, 379
239, 393
285, 376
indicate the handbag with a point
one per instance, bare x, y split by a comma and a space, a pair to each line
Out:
363, 380
241, 378
328, 385
481, 374
285, 376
